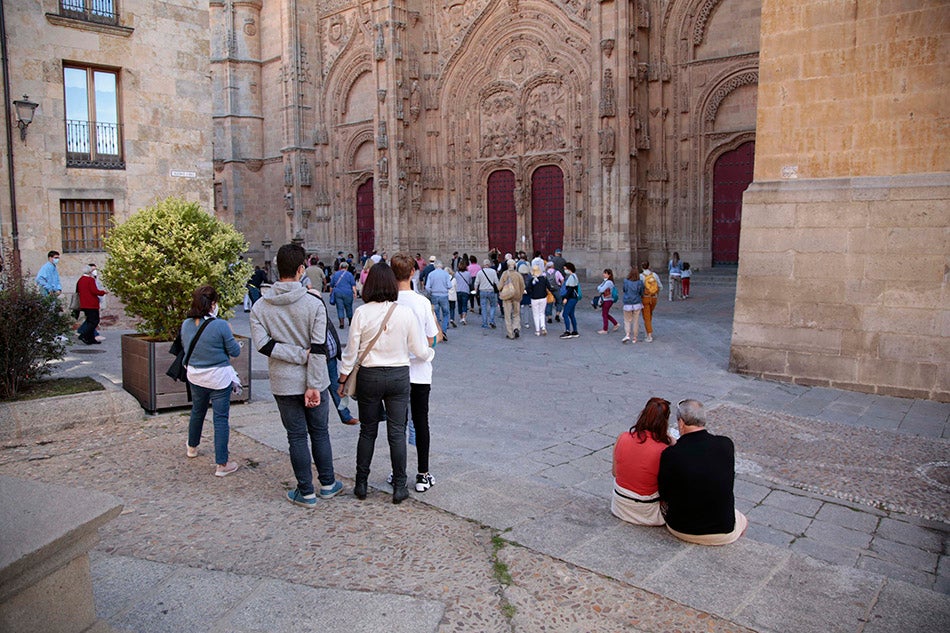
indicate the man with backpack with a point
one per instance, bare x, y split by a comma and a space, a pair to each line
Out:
555, 279
651, 290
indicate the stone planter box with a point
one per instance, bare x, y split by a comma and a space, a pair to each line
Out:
144, 361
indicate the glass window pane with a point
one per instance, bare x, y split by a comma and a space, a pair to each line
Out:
106, 107
77, 105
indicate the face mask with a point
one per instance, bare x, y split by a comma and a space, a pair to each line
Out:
95, 273
214, 311
55, 261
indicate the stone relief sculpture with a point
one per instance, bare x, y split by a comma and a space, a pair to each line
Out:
499, 125
415, 100
543, 122
303, 173
607, 146
608, 106
288, 174
379, 49
382, 141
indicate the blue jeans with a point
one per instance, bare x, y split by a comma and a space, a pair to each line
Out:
344, 306
345, 415
220, 400
489, 303
441, 305
462, 304
570, 321
377, 387
304, 422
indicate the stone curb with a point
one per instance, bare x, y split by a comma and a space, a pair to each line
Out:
26, 418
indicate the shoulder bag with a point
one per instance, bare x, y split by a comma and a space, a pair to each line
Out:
179, 366
349, 386
493, 286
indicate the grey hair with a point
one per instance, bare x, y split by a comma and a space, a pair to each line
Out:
487, 262
691, 412
88, 268
439, 264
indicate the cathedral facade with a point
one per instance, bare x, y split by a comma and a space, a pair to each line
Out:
618, 130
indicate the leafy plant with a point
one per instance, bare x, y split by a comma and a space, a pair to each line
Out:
162, 253
33, 330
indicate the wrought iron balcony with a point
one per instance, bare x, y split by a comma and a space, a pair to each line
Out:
100, 11
94, 145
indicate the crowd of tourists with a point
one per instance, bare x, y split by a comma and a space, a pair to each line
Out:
680, 477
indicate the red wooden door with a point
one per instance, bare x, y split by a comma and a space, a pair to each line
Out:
365, 222
502, 223
547, 209
732, 175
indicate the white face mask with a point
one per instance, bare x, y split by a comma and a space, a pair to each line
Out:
214, 310
55, 261
95, 273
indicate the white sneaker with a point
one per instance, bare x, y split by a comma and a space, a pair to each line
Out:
424, 481
625, 340
226, 469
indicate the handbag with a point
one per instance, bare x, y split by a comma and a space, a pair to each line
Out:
549, 298
332, 298
493, 286
349, 385
74, 304
179, 367
508, 291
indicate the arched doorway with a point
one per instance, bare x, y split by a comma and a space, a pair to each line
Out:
365, 222
732, 175
502, 223
547, 209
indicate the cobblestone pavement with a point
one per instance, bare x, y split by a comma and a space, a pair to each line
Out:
846, 493
178, 515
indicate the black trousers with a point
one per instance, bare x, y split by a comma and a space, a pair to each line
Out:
419, 406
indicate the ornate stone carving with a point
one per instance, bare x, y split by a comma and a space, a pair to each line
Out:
544, 122
379, 47
321, 136
415, 100
382, 140
254, 164
608, 106
607, 140
702, 18
432, 178
303, 173
499, 124
657, 172
607, 46
580, 8
712, 106
381, 95
288, 173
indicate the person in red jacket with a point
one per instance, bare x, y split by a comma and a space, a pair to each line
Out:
89, 293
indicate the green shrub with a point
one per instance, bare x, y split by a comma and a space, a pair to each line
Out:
162, 253
33, 332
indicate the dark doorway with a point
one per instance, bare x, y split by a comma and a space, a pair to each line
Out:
732, 175
547, 209
502, 223
365, 222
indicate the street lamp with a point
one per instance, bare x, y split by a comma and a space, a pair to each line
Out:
24, 114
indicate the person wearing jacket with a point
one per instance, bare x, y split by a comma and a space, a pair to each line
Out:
89, 293
343, 289
511, 290
632, 305
383, 380
649, 298
537, 291
289, 326
210, 375
606, 289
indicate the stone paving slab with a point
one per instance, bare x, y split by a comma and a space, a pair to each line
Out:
174, 598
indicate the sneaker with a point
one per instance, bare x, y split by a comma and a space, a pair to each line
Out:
445, 339
616, 327
601, 331
517, 332
549, 319
99, 338
191, 451
557, 318
389, 480
575, 334
452, 323
464, 322
537, 333
226, 469
424, 481
332, 490
492, 325
649, 338
304, 501
544, 332
625, 340
565, 335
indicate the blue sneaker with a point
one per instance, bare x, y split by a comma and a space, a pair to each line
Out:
331, 491
308, 501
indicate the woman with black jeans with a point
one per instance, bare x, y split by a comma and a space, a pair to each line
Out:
383, 380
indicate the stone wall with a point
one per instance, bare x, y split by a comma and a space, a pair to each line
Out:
844, 270
160, 52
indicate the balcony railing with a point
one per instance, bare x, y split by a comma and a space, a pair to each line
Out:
95, 145
101, 11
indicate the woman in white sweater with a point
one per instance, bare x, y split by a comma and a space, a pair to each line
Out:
383, 377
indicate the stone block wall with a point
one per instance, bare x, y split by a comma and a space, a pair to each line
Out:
844, 258
844, 283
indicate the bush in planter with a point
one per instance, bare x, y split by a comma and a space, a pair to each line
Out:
33, 331
162, 253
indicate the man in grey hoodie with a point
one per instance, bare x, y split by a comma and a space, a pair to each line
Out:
289, 326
